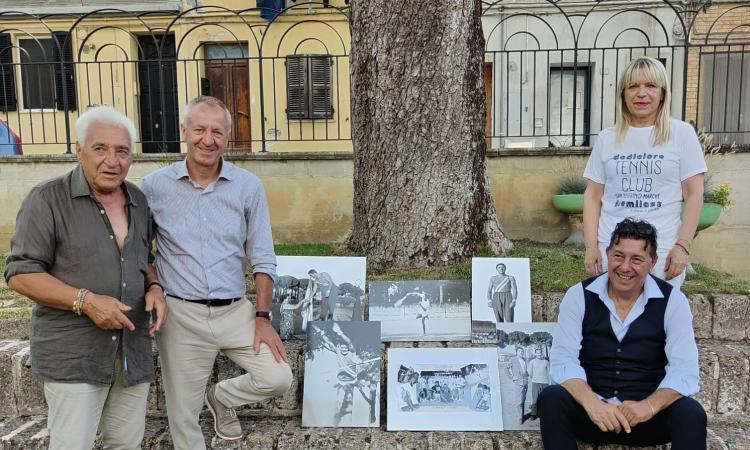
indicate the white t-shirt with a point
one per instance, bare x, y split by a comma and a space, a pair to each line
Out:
643, 181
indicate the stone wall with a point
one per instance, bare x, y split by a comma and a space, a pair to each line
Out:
310, 195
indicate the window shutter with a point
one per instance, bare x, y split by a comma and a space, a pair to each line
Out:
296, 95
320, 83
8, 101
63, 51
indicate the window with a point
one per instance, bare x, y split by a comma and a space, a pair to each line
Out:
308, 87
724, 98
561, 106
46, 83
38, 87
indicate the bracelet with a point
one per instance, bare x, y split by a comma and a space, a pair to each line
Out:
653, 412
79, 300
685, 241
684, 249
154, 283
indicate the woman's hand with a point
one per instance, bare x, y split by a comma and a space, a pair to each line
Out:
592, 261
677, 260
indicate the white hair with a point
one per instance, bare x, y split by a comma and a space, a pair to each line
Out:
104, 115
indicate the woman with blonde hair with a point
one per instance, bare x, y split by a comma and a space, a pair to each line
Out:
644, 167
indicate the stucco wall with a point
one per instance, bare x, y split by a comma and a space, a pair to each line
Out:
310, 196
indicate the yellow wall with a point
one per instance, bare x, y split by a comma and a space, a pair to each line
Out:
310, 197
106, 72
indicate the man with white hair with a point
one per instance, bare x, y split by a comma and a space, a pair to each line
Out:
81, 253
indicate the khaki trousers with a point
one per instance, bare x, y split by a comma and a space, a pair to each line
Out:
76, 410
188, 344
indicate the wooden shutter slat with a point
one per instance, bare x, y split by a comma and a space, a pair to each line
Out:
62, 48
320, 87
296, 98
8, 99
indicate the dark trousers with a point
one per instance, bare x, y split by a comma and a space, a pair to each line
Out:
564, 421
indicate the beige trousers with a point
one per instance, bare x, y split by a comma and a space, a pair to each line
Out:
76, 410
188, 344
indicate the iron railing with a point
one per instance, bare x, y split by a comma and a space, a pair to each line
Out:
551, 71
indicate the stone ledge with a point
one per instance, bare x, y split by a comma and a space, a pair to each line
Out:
286, 434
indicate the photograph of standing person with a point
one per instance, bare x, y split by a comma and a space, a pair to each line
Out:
500, 293
645, 168
523, 360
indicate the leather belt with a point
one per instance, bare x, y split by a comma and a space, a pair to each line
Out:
209, 302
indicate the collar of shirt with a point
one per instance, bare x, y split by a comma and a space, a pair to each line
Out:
181, 171
620, 327
79, 187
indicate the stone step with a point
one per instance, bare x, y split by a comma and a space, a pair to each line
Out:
286, 434
724, 372
720, 316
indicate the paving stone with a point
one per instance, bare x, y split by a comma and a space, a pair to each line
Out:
703, 316
708, 363
734, 369
731, 313
552, 306
538, 309
15, 328
8, 348
28, 390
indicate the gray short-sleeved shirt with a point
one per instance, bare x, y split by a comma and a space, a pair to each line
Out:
62, 230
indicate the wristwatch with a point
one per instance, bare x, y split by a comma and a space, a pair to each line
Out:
263, 314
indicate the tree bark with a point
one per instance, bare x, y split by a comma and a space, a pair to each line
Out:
421, 191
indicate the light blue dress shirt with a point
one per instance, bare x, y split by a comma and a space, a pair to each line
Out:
206, 236
682, 353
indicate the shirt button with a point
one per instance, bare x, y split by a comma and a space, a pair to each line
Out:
114, 338
617, 362
617, 372
124, 284
101, 211
616, 392
122, 259
619, 350
111, 237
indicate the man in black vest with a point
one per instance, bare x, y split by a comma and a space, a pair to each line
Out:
623, 359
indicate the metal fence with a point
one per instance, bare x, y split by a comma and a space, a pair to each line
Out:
550, 72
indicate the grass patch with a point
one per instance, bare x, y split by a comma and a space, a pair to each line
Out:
710, 281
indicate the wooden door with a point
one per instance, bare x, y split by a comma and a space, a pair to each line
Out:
229, 82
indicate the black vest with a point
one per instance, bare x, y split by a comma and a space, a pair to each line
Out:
631, 369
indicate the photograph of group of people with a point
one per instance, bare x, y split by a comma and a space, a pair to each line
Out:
443, 389
312, 288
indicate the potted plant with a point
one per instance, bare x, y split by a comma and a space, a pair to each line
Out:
568, 199
568, 196
716, 197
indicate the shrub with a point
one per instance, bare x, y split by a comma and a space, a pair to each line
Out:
571, 185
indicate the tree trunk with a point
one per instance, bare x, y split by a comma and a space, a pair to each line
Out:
421, 193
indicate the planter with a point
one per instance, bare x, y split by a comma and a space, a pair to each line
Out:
572, 205
568, 203
710, 213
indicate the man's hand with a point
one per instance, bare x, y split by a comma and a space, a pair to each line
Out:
156, 301
512, 304
636, 412
107, 312
264, 333
607, 416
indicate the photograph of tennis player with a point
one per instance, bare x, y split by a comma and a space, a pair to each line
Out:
311, 288
422, 310
443, 389
342, 375
523, 361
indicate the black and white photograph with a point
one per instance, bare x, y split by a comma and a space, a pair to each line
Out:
453, 389
523, 362
500, 293
342, 375
312, 288
421, 310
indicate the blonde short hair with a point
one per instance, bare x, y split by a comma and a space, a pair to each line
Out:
654, 71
